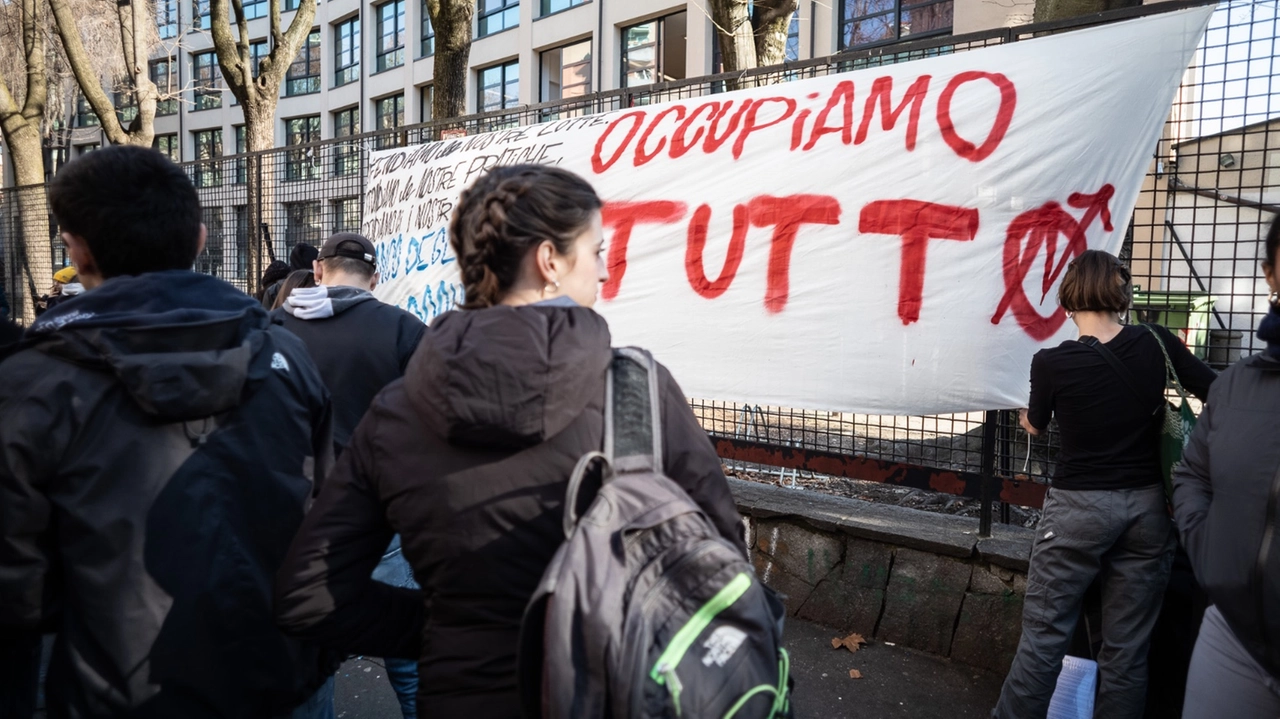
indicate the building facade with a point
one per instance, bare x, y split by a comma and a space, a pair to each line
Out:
368, 64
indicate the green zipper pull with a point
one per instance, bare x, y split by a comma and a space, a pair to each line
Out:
667, 676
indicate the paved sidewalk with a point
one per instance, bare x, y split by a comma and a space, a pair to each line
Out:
895, 682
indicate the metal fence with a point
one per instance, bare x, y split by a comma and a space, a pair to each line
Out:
1193, 244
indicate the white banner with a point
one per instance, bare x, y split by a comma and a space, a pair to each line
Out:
885, 241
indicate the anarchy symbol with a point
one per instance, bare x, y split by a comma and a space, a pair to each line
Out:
1041, 228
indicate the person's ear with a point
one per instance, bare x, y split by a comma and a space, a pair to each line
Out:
546, 262
373, 281
204, 237
317, 269
82, 257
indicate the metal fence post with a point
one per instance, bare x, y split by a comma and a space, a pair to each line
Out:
989, 428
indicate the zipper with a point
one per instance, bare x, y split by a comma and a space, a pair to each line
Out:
652, 594
1264, 551
664, 670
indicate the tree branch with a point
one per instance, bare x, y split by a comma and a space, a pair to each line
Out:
37, 83
82, 67
227, 50
291, 41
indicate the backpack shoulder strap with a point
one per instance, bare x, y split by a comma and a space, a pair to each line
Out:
1125, 375
633, 413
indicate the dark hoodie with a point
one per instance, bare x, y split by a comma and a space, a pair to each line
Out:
467, 458
158, 439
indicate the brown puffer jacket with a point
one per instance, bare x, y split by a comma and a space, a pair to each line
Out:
467, 458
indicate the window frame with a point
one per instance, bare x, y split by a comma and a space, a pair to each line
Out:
588, 63
481, 105
345, 74
240, 138
309, 60
168, 106
208, 171
506, 10
656, 44
428, 41
387, 58
166, 18
85, 116
174, 152
345, 152
301, 163
211, 89
544, 6
845, 22
388, 139
199, 18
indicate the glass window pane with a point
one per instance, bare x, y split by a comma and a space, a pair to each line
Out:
929, 18
576, 53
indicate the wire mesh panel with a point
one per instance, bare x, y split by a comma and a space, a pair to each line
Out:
1193, 244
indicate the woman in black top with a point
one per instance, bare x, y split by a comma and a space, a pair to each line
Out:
1106, 514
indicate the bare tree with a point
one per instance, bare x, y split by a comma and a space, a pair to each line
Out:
452, 22
751, 33
21, 117
1062, 9
124, 58
258, 94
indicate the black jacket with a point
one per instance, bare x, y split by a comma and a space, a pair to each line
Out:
359, 349
158, 440
1226, 496
468, 458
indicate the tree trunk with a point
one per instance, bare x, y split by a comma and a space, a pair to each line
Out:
259, 130
735, 33
772, 20
452, 22
1047, 10
33, 254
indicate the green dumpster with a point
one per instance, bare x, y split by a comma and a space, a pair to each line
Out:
1186, 314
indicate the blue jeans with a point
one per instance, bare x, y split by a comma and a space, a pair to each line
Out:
319, 706
394, 569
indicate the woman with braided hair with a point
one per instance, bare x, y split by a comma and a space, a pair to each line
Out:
468, 456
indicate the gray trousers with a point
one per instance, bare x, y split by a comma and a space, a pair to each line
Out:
1123, 535
1225, 680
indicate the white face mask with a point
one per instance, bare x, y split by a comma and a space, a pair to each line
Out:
72, 288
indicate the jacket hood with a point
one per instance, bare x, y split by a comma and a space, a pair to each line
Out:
508, 377
316, 303
182, 344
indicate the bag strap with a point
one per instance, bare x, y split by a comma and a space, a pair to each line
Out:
1170, 374
632, 426
1125, 375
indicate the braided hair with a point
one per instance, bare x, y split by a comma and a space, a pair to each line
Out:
508, 212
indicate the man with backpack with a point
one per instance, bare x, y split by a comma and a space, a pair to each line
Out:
160, 441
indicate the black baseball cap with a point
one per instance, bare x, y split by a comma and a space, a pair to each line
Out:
349, 244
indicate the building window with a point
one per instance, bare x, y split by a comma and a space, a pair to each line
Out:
208, 83
389, 114
427, 103
208, 151
551, 6
199, 14
499, 87
303, 77
209, 261
242, 165
258, 51
301, 163
303, 223
346, 43
428, 32
165, 81
85, 116
654, 51
168, 146
82, 150
290, 5
866, 22
566, 71
793, 38
390, 35
253, 9
346, 215
346, 155
167, 18
126, 105
497, 15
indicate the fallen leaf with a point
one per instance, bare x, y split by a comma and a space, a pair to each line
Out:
836, 643
855, 674
853, 642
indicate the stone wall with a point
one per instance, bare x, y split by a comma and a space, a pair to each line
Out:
917, 579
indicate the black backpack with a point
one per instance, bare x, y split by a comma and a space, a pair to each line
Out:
645, 610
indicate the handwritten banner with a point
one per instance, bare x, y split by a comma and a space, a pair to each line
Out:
888, 240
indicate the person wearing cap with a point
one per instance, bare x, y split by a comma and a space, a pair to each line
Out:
66, 284
360, 345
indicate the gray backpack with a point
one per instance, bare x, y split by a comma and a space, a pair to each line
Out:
645, 610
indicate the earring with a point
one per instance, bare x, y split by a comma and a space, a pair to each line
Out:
552, 287
1274, 297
